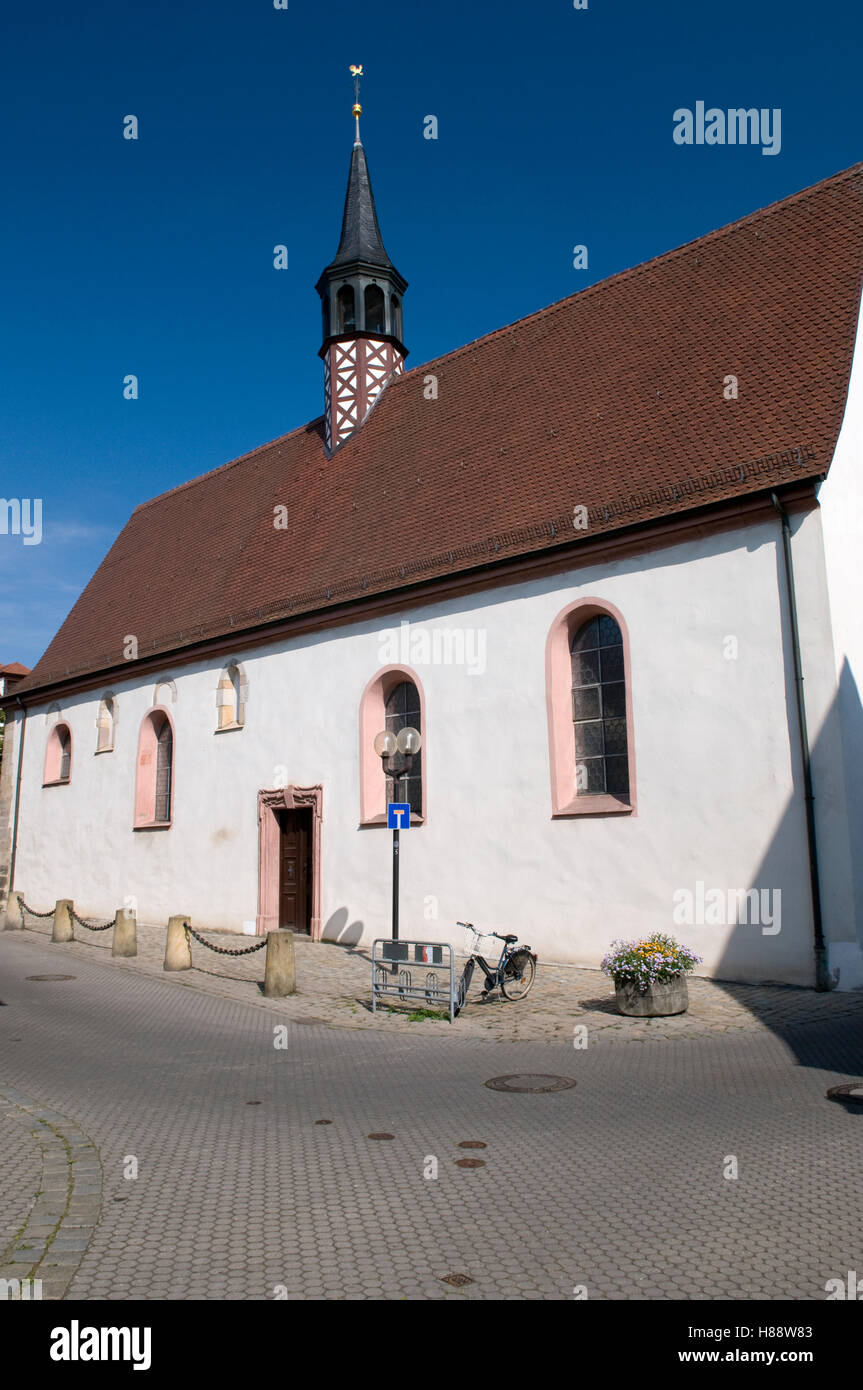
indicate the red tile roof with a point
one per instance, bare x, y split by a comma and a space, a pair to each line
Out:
611, 399
14, 669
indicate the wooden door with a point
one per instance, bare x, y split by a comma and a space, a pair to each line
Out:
295, 870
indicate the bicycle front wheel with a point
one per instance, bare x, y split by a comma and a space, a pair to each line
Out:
518, 975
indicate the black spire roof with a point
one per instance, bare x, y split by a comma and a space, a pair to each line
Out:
361, 236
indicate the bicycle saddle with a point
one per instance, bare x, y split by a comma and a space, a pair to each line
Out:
504, 938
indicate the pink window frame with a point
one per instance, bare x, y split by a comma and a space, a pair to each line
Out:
145, 773
565, 799
54, 757
373, 806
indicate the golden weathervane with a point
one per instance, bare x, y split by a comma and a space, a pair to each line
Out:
356, 74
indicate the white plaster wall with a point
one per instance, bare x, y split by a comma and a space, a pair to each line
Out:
841, 499
713, 762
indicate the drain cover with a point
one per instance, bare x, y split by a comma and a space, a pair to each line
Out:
323, 1122
457, 1280
50, 977
254, 1102
470, 1163
380, 1136
530, 1082
852, 1090
472, 1144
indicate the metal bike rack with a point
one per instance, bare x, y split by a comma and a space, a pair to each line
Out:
421, 970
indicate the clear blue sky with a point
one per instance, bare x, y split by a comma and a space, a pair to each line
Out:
155, 256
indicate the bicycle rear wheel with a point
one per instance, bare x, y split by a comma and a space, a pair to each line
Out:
518, 975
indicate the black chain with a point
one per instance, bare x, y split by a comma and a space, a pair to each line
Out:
49, 913
89, 925
225, 950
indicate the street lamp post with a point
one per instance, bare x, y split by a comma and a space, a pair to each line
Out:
397, 753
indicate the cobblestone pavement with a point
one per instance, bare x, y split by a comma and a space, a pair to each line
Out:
616, 1184
52, 1191
334, 987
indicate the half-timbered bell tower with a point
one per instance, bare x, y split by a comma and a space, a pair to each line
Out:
361, 294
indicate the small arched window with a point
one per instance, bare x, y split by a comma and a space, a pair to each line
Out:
105, 725
375, 309
599, 708
403, 711
392, 700
347, 312
396, 309
231, 698
154, 785
58, 756
325, 310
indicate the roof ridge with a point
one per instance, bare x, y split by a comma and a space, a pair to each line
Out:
555, 306
241, 458
643, 266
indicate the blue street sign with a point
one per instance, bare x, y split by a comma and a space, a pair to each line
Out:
398, 815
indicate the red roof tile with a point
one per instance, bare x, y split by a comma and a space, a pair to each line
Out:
611, 399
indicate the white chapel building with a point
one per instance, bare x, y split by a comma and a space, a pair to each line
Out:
606, 559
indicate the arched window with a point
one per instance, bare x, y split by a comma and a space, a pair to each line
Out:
154, 784
599, 707
403, 711
164, 689
396, 310
375, 310
105, 722
231, 697
58, 756
589, 702
347, 313
325, 310
164, 771
392, 700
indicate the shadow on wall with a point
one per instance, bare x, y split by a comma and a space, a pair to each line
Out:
851, 724
834, 1043
337, 931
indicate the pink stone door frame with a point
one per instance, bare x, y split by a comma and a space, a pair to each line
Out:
289, 798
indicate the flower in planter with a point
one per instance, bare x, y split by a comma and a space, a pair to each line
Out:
654, 960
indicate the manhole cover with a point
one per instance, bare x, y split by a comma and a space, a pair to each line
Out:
323, 1122
50, 977
457, 1280
852, 1090
380, 1136
530, 1082
470, 1163
472, 1144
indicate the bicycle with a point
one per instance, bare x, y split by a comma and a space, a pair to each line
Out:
514, 973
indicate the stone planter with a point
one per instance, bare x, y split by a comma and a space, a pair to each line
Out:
657, 1001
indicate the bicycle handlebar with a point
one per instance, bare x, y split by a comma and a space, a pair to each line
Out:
472, 928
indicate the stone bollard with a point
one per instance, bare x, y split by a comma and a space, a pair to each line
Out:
125, 942
280, 974
15, 912
62, 921
178, 951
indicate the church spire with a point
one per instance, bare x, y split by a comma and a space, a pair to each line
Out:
361, 296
